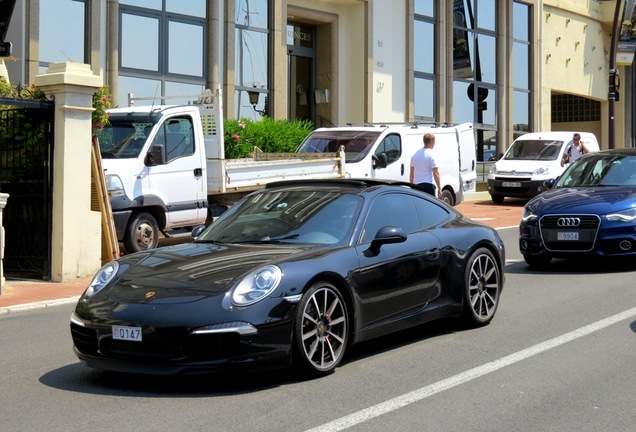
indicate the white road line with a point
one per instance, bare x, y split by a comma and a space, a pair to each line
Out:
448, 383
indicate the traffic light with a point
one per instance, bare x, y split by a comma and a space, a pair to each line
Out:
5, 49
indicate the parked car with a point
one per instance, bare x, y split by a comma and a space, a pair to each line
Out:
298, 270
590, 210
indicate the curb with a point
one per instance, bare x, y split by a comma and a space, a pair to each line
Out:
37, 305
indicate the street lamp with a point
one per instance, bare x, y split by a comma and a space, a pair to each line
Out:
254, 96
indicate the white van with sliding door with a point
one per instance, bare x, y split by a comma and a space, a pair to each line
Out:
385, 151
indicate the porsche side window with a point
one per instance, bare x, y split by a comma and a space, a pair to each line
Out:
430, 214
391, 146
391, 209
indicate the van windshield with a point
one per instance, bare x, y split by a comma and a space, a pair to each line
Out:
357, 144
544, 150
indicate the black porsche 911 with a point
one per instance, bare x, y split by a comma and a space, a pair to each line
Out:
298, 270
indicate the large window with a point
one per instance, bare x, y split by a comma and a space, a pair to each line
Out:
252, 60
475, 67
162, 50
521, 71
424, 60
61, 43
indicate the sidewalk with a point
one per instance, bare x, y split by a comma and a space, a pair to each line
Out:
19, 295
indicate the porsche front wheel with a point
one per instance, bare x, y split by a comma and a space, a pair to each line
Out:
321, 329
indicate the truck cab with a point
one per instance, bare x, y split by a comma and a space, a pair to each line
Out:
154, 164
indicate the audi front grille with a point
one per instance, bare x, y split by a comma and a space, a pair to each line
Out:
586, 227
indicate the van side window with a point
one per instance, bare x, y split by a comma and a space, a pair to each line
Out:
177, 135
391, 145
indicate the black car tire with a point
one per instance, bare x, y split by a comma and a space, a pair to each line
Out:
497, 199
142, 233
539, 262
482, 287
447, 197
321, 329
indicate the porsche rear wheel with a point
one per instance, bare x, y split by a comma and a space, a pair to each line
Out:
321, 329
482, 280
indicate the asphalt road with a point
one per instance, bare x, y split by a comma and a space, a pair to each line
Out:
559, 356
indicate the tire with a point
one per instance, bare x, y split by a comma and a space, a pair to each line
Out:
448, 198
539, 262
142, 233
321, 330
482, 288
497, 199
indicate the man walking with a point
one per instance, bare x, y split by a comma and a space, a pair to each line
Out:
424, 167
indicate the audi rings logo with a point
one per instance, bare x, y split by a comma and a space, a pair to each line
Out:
569, 222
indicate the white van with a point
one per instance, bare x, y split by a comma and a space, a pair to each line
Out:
530, 161
385, 151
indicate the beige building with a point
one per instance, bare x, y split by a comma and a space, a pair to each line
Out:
538, 64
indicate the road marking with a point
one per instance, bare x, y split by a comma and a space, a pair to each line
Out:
448, 383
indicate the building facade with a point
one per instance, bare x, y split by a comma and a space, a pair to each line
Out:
508, 66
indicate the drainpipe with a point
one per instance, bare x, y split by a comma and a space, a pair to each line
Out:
614, 81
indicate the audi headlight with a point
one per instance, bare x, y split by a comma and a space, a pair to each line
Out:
628, 215
544, 170
528, 216
256, 285
101, 279
115, 185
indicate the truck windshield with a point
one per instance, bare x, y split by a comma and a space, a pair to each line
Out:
543, 150
357, 144
123, 138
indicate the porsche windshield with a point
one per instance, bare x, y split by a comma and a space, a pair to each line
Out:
298, 216
357, 144
600, 170
543, 150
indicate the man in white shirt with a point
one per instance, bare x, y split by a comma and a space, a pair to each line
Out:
424, 167
575, 151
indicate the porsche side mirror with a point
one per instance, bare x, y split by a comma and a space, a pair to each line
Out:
387, 235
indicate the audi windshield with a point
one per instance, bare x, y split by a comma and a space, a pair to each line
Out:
600, 170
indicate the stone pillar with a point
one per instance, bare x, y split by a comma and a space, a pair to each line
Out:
3, 203
76, 236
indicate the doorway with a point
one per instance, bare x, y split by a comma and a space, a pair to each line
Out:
302, 72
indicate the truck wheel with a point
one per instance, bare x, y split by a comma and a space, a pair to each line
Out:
497, 199
447, 197
142, 233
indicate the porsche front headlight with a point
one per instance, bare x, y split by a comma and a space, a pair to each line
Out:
256, 285
628, 215
101, 279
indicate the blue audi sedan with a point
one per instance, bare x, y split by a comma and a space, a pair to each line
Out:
590, 210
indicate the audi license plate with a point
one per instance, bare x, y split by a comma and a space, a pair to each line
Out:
568, 236
511, 184
127, 333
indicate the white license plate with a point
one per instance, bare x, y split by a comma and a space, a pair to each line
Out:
511, 184
568, 236
127, 333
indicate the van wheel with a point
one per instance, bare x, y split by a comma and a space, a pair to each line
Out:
142, 233
497, 199
448, 198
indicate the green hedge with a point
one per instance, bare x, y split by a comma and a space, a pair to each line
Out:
269, 135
